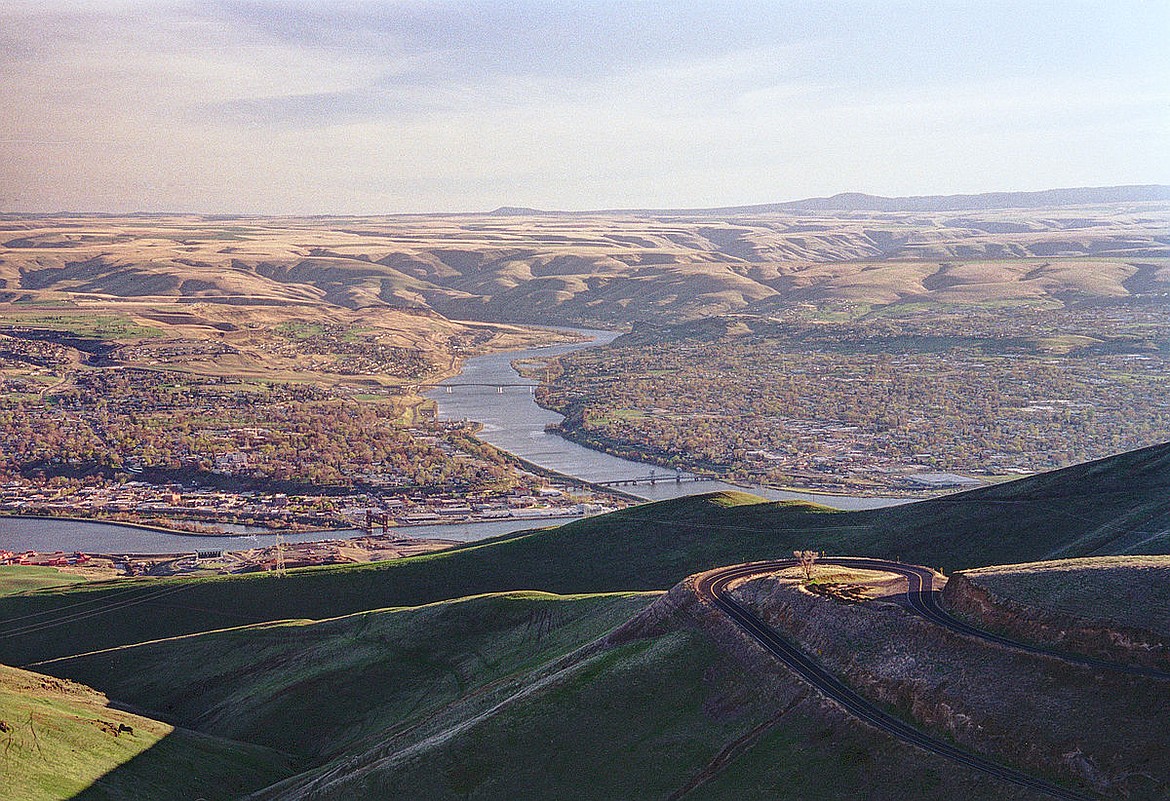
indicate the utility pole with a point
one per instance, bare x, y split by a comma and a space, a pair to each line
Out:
280, 555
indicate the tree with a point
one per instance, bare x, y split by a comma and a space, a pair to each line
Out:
807, 559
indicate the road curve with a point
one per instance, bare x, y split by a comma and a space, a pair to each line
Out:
923, 599
714, 587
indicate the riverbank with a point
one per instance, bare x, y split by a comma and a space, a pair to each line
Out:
50, 535
564, 478
510, 419
258, 531
114, 521
627, 451
93, 566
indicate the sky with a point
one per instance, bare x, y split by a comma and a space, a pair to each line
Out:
381, 107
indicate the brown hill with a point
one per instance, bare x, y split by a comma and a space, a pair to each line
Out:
607, 268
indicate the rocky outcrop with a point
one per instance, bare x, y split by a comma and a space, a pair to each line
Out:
966, 598
1010, 706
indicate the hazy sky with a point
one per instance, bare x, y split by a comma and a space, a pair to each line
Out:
380, 107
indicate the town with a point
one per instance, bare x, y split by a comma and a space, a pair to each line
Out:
137, 430
899, 403
193, 510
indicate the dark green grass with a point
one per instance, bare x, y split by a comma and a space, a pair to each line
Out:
622, 725
318, 688
645, 720
1116, 505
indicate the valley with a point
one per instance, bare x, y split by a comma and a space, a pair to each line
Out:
584, 401
845, 347
286, 374
488, 690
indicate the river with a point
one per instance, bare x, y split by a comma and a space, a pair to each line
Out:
91, 536
486, 392
511, 420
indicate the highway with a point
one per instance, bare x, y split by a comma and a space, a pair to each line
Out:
714, 586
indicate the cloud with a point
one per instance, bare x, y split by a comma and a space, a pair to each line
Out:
413, 106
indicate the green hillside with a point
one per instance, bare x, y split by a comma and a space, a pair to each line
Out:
265, 683
372, 681
1113, 506
487, 697
1117, 505
654, 718
59, 739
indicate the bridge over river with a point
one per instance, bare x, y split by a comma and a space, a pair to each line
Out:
654, 478
514, 422
449, 387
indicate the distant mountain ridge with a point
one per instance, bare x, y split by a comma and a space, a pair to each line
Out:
859, 201
607, 270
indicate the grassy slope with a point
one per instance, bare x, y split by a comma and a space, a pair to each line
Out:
642, 719
1082, 510
1111, 506
15, 579
1127, 590
327, 690
318, 688
61, 743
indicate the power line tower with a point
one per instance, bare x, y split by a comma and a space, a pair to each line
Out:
280, 555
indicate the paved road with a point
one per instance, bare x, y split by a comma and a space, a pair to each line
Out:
923, 599
714, 586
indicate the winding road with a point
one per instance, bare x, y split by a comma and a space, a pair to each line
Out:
714, 586
923, 599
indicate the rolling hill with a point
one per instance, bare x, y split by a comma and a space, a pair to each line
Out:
611, 267
538, 658
65, 740
1113, 506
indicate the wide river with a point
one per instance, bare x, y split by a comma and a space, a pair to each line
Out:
511, 420
32, 534
486, 392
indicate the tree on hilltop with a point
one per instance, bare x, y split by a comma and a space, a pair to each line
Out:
807, 559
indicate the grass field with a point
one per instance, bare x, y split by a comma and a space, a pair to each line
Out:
63, 740
380, 669
17, 579
84, 324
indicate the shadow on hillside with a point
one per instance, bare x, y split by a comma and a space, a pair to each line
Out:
191, 766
